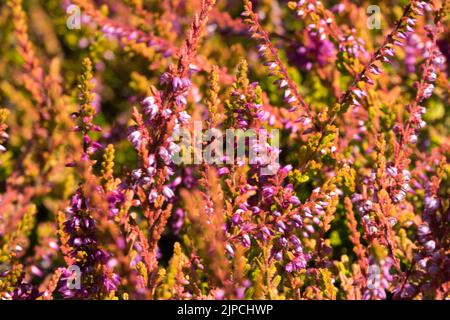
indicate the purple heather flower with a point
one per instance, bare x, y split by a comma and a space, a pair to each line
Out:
223, 171
25, 291
294, 200
428, 91
430, 245
135, 138
168, 193
315, 49
268, 192
229, 249
431, 203
165, 155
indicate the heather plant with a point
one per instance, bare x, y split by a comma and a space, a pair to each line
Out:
208, 149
